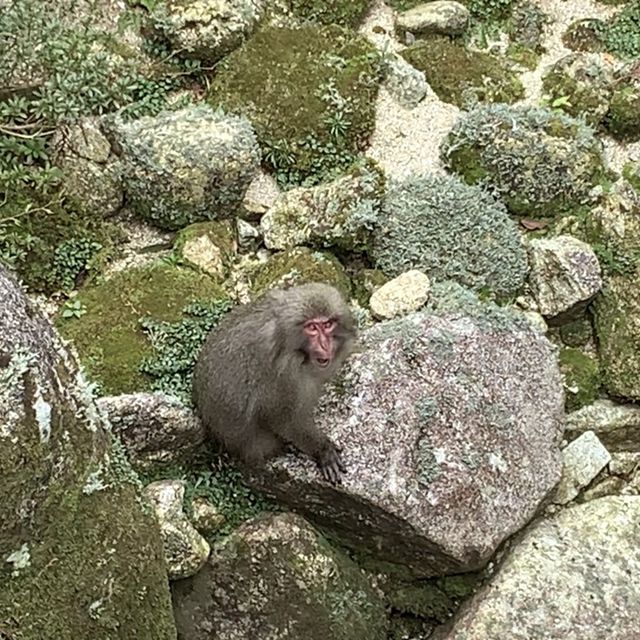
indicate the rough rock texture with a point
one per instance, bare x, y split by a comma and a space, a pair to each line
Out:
185, 549
583, 460
575, 576
565, 273
450, 422
275, 577
404, 82
186, 166
207, 29
81, 559
92, 175
617, 426
406, 293
341, 213
440, 16
154, 428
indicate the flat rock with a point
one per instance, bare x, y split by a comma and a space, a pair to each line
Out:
406, 293
440, 16
575, 576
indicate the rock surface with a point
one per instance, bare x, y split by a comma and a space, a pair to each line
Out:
565, 273
154, 428
404, 82
406, 293
81, 559
275, 577
575, 576
185, 549
450, 421
440, 16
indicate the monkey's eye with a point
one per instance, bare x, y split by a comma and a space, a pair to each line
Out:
311, 327
329, 324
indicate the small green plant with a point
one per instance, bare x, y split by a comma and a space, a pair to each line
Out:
73, 309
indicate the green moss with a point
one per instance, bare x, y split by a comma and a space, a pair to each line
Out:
582, 378
299, 266
631, 173
51, 246
577, 333
451, 231
365, 282
348, 13
461, 76
621, 35
541, 162
310, 94
623, 119
585, 35
109, 337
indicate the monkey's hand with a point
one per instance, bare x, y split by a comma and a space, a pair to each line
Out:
331, 465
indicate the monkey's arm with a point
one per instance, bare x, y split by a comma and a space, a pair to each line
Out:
300, 430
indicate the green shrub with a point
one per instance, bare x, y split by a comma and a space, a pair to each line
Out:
461, 76
451, 231
621, 34
309, 93
541, 162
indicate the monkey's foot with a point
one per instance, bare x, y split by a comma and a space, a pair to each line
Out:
331, 465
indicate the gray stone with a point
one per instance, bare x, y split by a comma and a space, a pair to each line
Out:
616, 425
154, 428
575, 576
185, 549
565, 274
441, 16
406, 293
583, 460
404, 82
275, 577
450, 421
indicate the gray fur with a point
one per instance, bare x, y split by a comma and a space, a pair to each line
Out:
254, 387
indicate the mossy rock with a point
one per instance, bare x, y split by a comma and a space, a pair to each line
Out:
461, 76
109, 338
623, 119
365, 282
585, 35
299, 266
631, 173
581, 84
577, 333
310, 94
542, 163
208, 246
480, 10
526, 26
50, 245
582, 378
621, 34
347, 13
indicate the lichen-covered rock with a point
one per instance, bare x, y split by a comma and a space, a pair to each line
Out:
402, 295
440, 16
185, 549
623, 119
451, 231
404, 82
154, 428
206, 517
585, 82
209, 246
584, 35
276, 577
299, 266
565, 274
207, 30
526, 26
342, 213
581, 378
575, 576
540, 161
450, 422
81, 559
310, 94
461, 76
616, 425
582, 460
187, 166
109, 337
92, 175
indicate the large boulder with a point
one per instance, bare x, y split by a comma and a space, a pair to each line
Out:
575, 576
450, 420
82, 558
275, 577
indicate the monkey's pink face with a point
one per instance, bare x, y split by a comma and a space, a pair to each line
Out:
321, 342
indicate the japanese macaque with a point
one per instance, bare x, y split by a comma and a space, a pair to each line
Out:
261, 371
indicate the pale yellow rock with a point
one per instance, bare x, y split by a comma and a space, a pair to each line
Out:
404, 294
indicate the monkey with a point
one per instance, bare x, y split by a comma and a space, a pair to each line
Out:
261, 370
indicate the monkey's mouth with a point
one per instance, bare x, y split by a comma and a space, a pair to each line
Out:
323, 363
